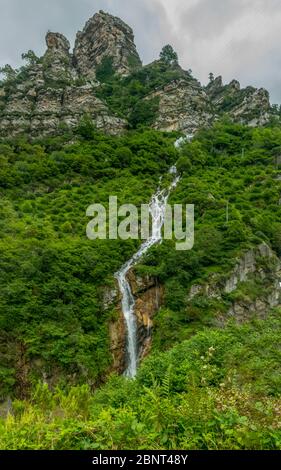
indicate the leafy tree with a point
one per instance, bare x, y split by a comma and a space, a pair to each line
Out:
184, 164
168, 55
105, 70
30, 57
8, 72
144, 112
86, 128
124, 157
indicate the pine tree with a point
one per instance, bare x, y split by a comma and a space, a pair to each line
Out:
168, 55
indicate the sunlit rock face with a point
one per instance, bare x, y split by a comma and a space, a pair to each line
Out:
105, 36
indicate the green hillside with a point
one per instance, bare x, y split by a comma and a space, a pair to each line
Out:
211, 381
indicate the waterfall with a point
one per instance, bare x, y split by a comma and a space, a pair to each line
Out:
157, 208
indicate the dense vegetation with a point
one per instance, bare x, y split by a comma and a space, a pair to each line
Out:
129, 97
52, 276
219, 390
206, 384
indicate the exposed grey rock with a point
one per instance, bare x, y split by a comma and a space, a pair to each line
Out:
49, 101
248, 267
82, 99
105, 36
110, 296
183, 106
48, 125
249, 105
62, 87
57, 62
19, 103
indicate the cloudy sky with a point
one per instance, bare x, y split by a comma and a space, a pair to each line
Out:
233, 38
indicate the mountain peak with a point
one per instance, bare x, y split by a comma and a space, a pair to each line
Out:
105, 36
58, 89
57, 41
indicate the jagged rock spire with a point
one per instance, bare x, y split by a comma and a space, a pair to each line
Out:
57, 59
105, 36
57, 42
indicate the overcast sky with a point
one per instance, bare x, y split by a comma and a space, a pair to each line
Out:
234, 38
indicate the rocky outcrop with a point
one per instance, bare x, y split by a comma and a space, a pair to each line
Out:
251, 289
58, 89
247, 105
248, 265
43, 110
149, 297
105, 36
183, 106
57, 60
79, 101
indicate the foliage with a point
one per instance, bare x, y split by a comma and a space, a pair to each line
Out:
104, 70
229, 174
218, 390
168, 55
31, 58
203, 386
52, 277
129, 97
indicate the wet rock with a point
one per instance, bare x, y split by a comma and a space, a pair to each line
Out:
117, 332
149, 297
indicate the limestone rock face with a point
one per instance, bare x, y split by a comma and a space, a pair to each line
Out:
61, 87
40, 110
79, 101
105, 36
57, 59
183, 106
254, 109
245, 105
57, 44
261, 267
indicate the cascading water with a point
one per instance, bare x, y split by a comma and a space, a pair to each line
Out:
157, 209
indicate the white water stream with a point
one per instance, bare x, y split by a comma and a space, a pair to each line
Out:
157, 209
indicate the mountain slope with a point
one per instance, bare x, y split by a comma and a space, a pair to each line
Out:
77, 128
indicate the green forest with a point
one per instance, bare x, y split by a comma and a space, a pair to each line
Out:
211, 381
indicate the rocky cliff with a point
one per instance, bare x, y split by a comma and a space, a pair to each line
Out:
105, 37
54, 92
250, 290
249, 105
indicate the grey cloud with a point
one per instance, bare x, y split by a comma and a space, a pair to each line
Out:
209, 18
24, 24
